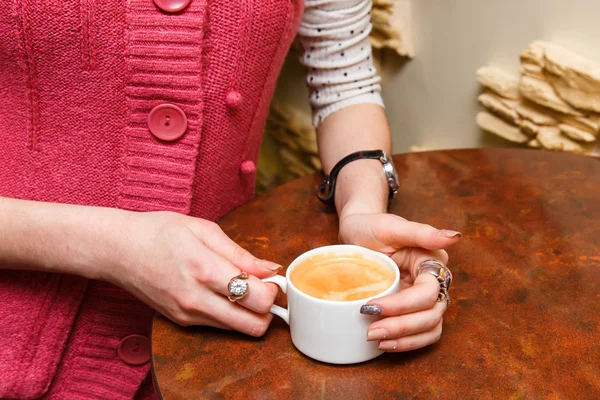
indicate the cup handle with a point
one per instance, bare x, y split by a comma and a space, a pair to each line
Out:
281, 312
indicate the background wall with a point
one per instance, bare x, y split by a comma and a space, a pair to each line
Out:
431, 99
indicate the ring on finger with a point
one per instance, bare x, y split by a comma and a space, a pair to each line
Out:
443, 276
238, 287
444, 295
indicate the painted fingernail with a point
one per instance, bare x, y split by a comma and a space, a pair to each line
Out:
377, 334
450, 234
268, 265
388, 345
371, 309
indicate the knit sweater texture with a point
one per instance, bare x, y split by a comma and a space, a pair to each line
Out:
78, 80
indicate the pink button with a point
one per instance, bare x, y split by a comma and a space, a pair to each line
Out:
248, 167
167, 122
134, 349
172, 5
233, 98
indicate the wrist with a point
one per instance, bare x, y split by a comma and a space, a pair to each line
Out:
362, 189
99, 239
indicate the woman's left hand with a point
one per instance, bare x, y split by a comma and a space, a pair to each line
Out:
413, 317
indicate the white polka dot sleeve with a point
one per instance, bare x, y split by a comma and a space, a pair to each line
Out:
334, 35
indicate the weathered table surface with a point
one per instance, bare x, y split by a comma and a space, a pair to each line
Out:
525, 319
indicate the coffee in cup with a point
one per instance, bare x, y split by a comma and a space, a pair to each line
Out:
341, 277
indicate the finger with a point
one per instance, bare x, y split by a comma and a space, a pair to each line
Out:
216, 274
199, 319
412, 342
220, 243
408, 324
411, 259
398, 232
220, 310
421, 296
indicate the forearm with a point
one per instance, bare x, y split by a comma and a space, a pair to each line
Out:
361, 185
56, 237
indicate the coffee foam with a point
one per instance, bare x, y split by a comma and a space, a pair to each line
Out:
341, 277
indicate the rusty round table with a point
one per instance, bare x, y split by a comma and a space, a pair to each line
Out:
525, 318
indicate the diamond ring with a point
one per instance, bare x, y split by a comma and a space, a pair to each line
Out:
238, 287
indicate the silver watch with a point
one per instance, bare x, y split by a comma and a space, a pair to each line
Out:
390, 174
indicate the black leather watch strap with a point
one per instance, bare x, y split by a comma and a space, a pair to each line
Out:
326, 190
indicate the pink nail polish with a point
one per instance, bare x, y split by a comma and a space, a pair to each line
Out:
268, 265
377, 334
450, 234
388, 345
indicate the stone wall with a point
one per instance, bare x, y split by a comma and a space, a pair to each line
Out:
553, 104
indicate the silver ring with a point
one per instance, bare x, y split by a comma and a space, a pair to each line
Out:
445, 296
238, 287
443, 276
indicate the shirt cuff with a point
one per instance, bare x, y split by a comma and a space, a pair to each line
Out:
366, 98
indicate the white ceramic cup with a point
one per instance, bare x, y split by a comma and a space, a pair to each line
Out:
331, 331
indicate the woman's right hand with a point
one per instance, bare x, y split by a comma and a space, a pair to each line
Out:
181, 266
177, 264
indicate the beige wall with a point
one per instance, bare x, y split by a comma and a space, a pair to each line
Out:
430, 100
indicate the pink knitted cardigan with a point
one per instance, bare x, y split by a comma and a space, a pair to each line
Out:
77, 81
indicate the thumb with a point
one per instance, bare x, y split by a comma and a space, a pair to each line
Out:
220, 243
398, 232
